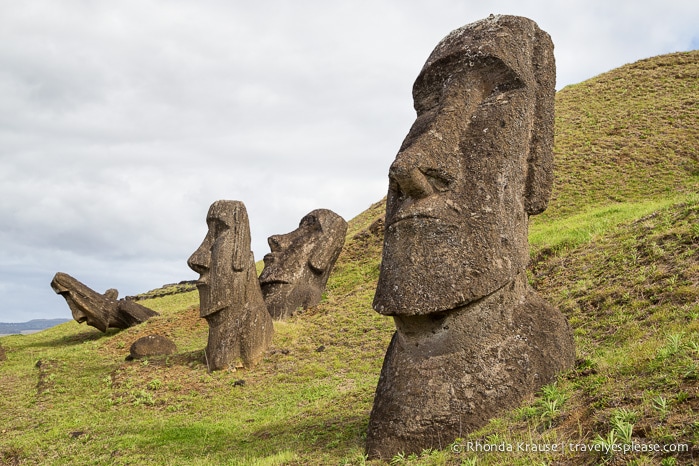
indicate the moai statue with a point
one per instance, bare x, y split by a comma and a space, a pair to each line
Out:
101, 311
472, 337
297, 269
230, 299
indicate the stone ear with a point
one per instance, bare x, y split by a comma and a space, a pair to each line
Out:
320, 257
241, 234
540, 158
323, 254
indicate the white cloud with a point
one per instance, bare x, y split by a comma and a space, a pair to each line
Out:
120, 122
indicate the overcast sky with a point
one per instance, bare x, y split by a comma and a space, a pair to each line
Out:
122, 121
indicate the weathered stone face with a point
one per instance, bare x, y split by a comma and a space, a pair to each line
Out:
240, 328
101, 311
224, 253
472, 338
297, 269
476, 162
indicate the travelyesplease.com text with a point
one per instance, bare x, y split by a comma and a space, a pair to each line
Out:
525, 447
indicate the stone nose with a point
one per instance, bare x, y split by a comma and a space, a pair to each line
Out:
278, 242
405, 172
199, 261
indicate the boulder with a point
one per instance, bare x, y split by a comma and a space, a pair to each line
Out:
151, 345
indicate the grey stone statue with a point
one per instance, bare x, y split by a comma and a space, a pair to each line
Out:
240, 328
101, 311
297, 269
472, 337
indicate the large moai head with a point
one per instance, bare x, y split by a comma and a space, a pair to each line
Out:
223, 257
475, 164
297, 269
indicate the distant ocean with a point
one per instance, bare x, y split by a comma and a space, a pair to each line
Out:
25, 328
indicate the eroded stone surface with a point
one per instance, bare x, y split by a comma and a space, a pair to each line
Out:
151, 345
240, 328
472, 338
101, 311
299, 264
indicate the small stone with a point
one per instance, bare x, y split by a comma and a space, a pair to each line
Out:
151, 345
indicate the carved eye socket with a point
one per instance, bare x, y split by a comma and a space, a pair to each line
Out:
504, 79
310, 222
439, 180
217, 226
431, 84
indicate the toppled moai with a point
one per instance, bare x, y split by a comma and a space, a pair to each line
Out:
472, 337
297, 269
240, 328
101, 311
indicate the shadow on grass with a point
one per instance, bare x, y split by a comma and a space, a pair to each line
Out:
178, 359
310, 440
89, 334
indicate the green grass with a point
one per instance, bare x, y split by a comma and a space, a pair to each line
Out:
628, 135
575, 230
617, 252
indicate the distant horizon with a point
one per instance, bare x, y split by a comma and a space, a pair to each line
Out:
42, 319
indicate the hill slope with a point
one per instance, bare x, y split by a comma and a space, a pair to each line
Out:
617, 251
628, 135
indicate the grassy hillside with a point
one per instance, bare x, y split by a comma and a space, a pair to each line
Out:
617, 252
628, 135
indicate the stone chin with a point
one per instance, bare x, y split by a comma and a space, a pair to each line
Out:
441, 266
278, 295
211, 302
